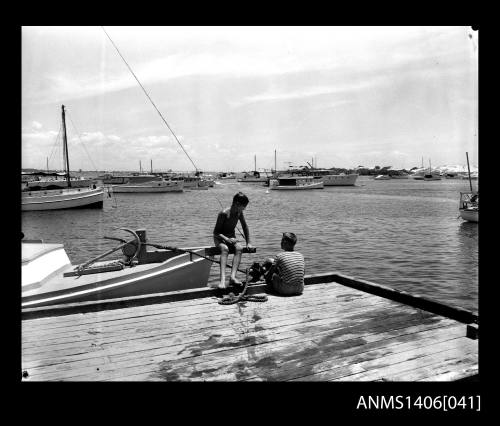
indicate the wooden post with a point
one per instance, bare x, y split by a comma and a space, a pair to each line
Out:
141, 233
472, 331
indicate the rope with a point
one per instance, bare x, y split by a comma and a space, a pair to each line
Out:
146, 93
160, 114
84, 147
231, 299
56, 145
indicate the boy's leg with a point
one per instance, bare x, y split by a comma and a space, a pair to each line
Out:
223, 262
238, 248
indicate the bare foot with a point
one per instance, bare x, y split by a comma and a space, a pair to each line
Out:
217, 286
235, 281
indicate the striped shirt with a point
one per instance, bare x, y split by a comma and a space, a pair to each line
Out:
291, 268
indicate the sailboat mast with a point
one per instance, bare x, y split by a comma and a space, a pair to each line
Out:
468, 168
255, 162
151, 166
65, 139
275, 170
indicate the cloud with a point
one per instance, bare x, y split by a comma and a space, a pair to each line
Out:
160, 54
35, 125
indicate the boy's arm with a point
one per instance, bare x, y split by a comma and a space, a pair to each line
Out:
246, 232
219, 225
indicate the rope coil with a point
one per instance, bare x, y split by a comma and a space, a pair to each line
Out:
231, 299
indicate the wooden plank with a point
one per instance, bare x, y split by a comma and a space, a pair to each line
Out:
342, 361
227, 319
358, 368
439, 356
456, 313
433, 368
257, 310
312, 293
183, 350
172, 296
38, 332
194, 339
184, 333
277, 361
229, 335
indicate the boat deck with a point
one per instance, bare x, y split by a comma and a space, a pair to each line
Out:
332, 332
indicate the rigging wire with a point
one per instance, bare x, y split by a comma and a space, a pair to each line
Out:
56, 144
78, 134
149, 97
157, 110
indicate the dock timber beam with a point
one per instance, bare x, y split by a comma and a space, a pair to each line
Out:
456, 313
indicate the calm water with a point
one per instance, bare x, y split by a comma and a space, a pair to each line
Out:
401, 233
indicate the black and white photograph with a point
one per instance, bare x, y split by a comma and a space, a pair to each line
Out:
251, 203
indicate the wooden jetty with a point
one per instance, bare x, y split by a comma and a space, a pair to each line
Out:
339, 329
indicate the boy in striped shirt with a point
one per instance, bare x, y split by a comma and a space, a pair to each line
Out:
286, 271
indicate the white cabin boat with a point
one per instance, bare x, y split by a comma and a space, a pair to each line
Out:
49, 278
295, 183
159, 186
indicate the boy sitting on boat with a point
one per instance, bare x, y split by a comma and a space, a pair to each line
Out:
224, 237
285, 273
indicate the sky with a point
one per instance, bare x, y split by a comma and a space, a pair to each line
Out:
330, 96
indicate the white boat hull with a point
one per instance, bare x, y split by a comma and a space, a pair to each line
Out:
470, 215
59, 199
179, 272
156, 186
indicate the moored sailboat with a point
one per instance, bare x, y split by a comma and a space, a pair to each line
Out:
69, 197
469, 201
255, 176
